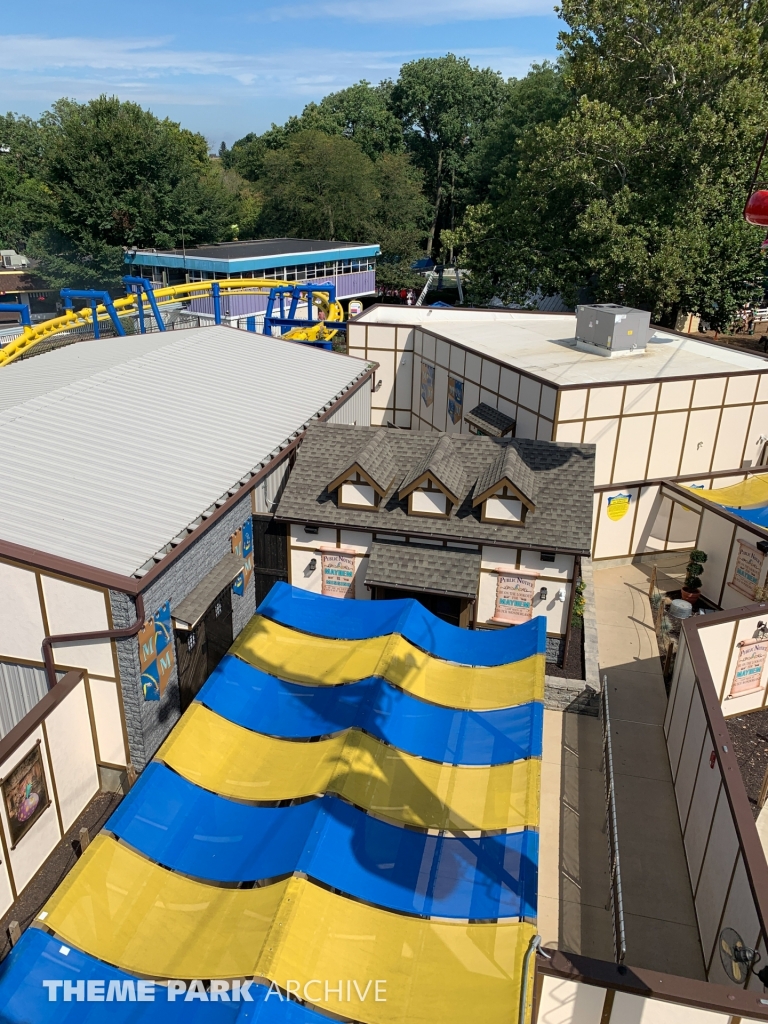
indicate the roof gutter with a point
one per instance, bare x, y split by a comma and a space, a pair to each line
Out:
134, 586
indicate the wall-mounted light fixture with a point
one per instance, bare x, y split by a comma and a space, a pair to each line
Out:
378, 384
543, 594
561, 595
312, 565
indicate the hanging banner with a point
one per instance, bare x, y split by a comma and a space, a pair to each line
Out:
150, 681
338, 578
515, 592
247, 551
750, 662
156, 656
746, 574
147, 650
427, 384
455, 399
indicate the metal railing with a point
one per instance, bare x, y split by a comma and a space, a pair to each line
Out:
616, 901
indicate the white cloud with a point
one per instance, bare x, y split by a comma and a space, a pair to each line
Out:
220, 93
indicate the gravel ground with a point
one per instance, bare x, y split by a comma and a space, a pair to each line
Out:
749, 735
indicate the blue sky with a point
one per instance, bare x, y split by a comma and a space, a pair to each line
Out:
229, 68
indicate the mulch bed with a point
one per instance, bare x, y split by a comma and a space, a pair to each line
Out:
574, 663
28, 905
749, 736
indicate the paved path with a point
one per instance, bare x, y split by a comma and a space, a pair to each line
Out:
660, 923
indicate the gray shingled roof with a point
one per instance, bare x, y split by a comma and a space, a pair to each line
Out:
564, 476
424, 567
441, 463
491, 421
508, 466
376, 460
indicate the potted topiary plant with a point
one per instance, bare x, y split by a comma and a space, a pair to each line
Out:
691, 588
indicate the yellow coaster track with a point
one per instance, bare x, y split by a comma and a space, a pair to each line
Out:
129, 306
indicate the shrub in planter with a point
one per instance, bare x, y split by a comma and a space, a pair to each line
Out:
691, 587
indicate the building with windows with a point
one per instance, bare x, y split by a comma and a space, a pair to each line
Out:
349, 266
485, 532
676, 408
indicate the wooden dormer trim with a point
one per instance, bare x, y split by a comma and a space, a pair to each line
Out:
504, 488
428, 482
350, 474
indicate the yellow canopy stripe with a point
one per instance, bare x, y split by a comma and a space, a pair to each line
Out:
750, 493
295, 656
225, 758
132, 913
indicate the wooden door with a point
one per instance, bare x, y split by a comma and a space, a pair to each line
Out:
270, 555
192, 660
218, 628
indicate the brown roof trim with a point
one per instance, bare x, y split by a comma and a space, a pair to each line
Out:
749, 841
132, 585
356, 468
586, 385
39, 712
413, 533
747, 470
639, 981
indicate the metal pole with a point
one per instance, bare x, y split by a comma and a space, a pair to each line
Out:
532, 947
216, 302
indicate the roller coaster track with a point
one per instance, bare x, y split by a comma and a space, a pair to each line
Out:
129, 306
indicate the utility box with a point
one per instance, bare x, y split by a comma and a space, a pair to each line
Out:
610, 330
11, 260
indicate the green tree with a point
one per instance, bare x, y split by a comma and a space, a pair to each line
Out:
635, 194
118, 176
24, 201
400, 219
360, 113
446, 108
318, 186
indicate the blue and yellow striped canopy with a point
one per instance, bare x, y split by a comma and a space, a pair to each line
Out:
353, 796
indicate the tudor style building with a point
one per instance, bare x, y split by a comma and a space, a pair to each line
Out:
485, 531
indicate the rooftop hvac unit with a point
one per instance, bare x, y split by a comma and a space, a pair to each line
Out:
610, 330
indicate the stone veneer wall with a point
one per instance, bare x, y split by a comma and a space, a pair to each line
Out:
149, 722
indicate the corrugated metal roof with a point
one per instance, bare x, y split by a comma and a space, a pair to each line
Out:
111, 449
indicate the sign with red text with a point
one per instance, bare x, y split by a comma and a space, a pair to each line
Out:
750, 662
515, 592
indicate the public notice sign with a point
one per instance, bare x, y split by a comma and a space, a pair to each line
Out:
338, 573
750, 662
514, 597
746, 573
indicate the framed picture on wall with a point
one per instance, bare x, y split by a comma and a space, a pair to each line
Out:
25, 794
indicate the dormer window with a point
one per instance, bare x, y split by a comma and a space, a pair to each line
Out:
429, 500
503, 507
365, 481
436, 482
506, 489
357, 492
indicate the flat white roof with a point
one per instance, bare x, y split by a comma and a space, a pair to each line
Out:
544, 345
111, 448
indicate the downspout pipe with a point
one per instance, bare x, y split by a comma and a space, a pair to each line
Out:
102, 634
534, 945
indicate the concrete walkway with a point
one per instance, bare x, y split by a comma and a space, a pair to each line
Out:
661, 927
658, 903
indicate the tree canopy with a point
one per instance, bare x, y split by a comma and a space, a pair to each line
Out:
634, 192
89, 179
